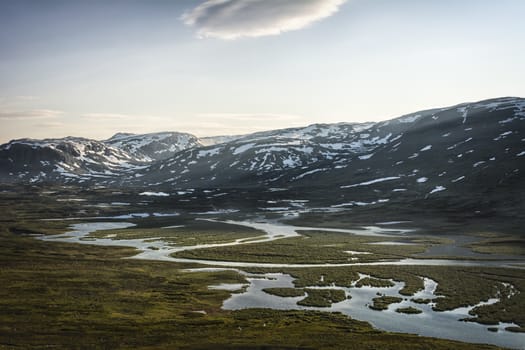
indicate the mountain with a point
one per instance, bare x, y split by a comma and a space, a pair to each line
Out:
76, 160
438, 147
466, 154
214, 140
154, 146
67, 160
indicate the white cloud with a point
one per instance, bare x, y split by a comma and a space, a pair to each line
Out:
104, 116
233, 19
217, 129
249, 116
50, 125
214, 124
30, 114
116, 116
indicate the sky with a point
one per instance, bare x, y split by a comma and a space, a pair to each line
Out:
227, 67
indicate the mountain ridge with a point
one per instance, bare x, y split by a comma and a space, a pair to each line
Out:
456, 140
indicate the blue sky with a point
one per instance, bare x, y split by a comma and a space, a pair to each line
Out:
209, 67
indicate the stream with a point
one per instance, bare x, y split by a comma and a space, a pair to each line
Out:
428, 323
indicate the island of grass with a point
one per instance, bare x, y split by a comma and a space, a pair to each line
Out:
408, 310
421, 301
509, 245
322, 297
515, 329
285, 292
381, 303
374, 282
311, 247
188, 233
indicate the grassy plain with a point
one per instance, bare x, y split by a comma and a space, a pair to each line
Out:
312, 247
191, 232
87, 297
59, 295
459, 286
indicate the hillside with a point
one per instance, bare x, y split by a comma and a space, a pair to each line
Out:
469, 157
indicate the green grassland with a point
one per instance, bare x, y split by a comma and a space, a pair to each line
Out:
312, 247
322, 297
374, 282
408, 310
459, 286
285, 292
61, 295
382, 302
194, 232
58, 295
314, 297
508, 245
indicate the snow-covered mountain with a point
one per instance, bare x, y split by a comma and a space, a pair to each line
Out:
443, 144
84, 161
68, 160
251, 159
214, 140
477, 147
154, 146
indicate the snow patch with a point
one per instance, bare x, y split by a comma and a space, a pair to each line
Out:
508, 120
243, 148
503, 135
475, 165
459, 179
409, 119
366, 183
309, 173
464, 113
157, 194
366, 156
438, 189
359, 204
208, 152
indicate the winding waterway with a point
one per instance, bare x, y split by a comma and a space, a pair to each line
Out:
428, 323
150, 249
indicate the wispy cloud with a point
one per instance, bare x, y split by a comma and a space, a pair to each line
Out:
249, 117
30, 114
213, 124
6, 101
105, 116
232, 19
52, 125
217, 129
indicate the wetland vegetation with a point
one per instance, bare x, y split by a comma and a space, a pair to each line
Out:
408, 310
312, 247
53, 293
322, 297
383, 302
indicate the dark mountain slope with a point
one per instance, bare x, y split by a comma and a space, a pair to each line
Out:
474, 152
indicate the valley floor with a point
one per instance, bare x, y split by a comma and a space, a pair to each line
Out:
54, 294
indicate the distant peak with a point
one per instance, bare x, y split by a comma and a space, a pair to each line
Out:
120, 135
